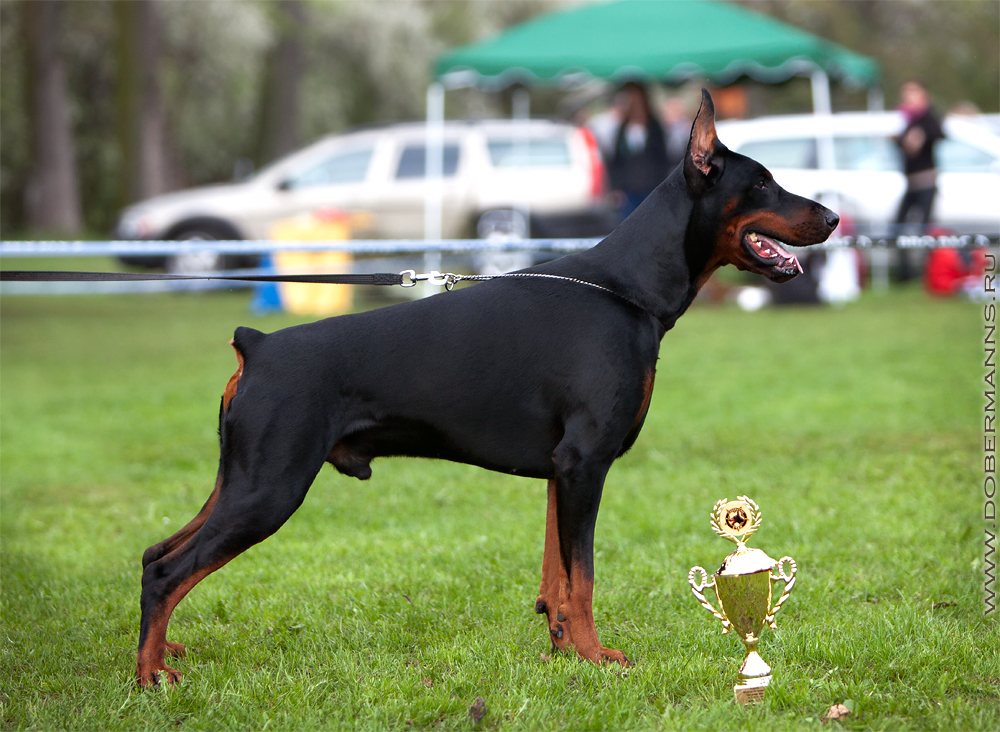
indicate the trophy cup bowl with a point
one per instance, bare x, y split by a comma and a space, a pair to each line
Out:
743, 587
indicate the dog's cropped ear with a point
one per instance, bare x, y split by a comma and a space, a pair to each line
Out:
701, 165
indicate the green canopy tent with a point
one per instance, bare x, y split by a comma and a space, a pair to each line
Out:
665, 41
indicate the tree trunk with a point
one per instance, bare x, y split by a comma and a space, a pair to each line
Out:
52, 194
280, 105
142, 125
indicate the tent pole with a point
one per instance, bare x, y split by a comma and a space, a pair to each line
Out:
521, 113
433, 170
821, 92
822, 107
825, 154
876, 99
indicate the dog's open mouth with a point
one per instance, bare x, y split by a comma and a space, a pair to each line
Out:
776, 263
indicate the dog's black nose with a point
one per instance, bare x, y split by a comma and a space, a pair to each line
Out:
832, 219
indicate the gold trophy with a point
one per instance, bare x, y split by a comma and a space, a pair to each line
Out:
743, 588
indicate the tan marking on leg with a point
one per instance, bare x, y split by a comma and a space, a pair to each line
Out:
151, 659
553, 576
230, 391
577, 606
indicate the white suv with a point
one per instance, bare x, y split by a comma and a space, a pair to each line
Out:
866, 182
551, 169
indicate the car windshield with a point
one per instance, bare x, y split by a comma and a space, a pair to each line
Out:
855, 152
953, 156
412, 161
783, 154
867, 152
345, 166
512, 152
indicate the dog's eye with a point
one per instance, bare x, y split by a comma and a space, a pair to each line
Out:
762, 183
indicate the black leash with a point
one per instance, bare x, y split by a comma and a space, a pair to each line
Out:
379, 278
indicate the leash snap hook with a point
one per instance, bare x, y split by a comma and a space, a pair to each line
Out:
445, 279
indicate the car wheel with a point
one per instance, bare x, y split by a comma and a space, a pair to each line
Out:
502, 224
195, 262
499, 227
206, 260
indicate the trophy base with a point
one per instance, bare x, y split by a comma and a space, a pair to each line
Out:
751, 691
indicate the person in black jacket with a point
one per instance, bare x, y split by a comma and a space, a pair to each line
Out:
639, 160
923, 130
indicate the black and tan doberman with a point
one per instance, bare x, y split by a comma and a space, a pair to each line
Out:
542, 377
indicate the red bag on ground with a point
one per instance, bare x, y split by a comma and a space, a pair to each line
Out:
946, 271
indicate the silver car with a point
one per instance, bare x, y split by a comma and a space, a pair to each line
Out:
552, 171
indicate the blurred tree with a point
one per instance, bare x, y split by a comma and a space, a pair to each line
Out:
52, 197
213, 61
90, 44
367, 62
142, 123
953, 45
15, 156
280, 106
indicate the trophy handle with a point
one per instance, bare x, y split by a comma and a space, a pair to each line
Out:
789, 580
698, 589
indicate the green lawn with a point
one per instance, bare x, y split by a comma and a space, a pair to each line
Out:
394, 603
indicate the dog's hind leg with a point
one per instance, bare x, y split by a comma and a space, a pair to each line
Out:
160, 550
264, 480
165, 582
244, 515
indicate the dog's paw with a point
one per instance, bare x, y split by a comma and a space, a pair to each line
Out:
611, 655
151, 677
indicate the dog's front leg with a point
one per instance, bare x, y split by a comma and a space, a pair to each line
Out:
567, 588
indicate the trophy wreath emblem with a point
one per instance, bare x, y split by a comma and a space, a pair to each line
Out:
736, 520
743, 588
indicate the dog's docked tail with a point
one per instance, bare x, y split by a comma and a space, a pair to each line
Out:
244, 341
